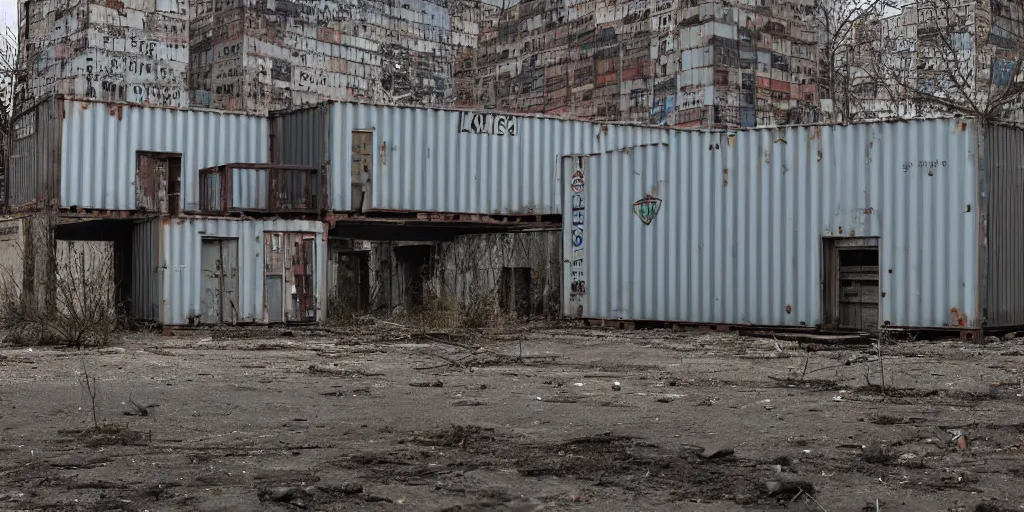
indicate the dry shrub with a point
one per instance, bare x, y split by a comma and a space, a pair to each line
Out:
443, 309
80, 311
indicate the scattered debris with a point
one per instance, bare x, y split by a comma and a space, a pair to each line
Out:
294, 496
786, 487
959, 439
341, 372
435, 384
467, 403
716, 452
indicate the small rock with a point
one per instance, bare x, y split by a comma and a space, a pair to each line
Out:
666, 399
1010, 336
907, 459
716, 452
111, 351
875, 454
616, 386
282, 494
991, 339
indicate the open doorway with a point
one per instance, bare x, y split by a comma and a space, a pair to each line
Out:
413, 266
852, 283
353, 281
514, 291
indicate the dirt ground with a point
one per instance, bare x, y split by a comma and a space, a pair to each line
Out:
386, 418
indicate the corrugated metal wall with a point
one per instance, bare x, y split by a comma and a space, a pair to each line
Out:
146, 283
737, 237
34, 172
100, 141
181, 250
300, 137
429, 163
1003, 164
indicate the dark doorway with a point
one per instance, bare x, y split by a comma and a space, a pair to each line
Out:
413, 265
354, 281
514, 290
851, 284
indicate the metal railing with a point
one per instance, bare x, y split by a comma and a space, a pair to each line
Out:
263, 188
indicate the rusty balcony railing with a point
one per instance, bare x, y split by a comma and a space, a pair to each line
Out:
259, 188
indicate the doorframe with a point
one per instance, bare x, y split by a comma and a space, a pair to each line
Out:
220, 239
831, 286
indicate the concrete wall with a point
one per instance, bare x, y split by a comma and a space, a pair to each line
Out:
468, 268
12, 258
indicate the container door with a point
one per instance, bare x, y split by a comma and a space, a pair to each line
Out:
574, 282
210, 271
274, 276
229, 294
362, 169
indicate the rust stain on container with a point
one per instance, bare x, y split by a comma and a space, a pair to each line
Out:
789, 309
840, 230
958, 317
869, 210
725, 179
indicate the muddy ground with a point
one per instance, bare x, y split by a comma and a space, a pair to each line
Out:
387, 418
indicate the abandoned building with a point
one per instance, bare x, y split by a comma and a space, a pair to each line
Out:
223, 218
900, 225
339, 209
202, 229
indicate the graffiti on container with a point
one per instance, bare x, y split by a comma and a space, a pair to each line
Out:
488, 124
577, 279
577, 182
647, 209
925, 164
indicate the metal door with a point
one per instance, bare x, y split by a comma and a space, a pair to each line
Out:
229, 278
852, 283
219, 275
574, 276
362, 169
273, 276
210, 302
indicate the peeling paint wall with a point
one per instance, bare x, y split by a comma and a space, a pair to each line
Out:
120, 50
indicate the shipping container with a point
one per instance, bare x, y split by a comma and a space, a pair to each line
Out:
383, 158
203, 271
108, 156
895, 224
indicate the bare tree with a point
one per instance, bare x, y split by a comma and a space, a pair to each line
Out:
845, 30
942, 57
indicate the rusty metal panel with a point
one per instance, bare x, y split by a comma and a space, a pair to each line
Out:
35, 153
180, 245
728, 227
1002, 163
465, 162
100, 143
151, 183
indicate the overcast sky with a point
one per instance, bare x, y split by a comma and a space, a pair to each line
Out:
9, 12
